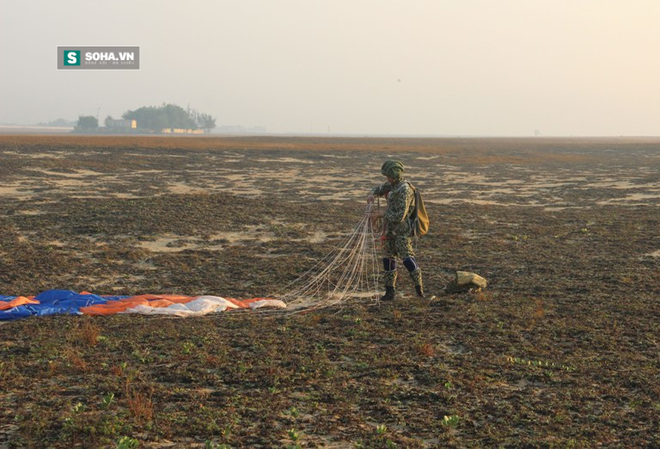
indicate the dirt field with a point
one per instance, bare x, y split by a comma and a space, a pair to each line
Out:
561, 350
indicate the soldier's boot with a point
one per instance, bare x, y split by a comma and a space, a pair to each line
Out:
389, 279
415, 275
389, 294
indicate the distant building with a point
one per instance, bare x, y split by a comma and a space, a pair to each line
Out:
121, 124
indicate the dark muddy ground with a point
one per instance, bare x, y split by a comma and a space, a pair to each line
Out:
561, 350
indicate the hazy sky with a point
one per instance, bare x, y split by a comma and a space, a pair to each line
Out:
440, 67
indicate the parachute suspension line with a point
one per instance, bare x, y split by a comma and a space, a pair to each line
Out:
349, 273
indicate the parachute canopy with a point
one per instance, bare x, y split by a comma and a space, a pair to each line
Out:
57, 302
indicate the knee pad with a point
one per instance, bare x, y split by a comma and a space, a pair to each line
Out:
389, 264
410, 264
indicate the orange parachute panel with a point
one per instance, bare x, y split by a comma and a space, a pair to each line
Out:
180, 299
18, 301
112, 307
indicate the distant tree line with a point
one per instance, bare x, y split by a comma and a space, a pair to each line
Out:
170, 116
157, 118
58, 122
87, 122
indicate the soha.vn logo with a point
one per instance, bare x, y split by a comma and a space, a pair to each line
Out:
109, 56
71, 57
98, 58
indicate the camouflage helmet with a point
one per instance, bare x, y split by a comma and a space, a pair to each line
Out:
392, 169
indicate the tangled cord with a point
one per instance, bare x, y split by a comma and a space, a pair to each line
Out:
351, 272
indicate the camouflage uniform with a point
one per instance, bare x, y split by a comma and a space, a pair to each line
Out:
398, 240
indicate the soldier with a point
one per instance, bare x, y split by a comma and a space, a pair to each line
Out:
397, 232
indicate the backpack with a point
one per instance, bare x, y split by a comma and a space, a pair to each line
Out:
419, 218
